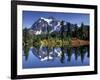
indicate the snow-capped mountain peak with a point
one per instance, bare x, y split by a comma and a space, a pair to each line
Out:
45, 19
42, 25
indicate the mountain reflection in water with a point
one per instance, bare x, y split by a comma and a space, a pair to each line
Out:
56, 57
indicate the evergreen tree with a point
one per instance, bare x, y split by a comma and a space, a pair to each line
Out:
69, 30
76, 31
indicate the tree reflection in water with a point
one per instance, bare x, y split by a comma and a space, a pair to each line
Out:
45, 53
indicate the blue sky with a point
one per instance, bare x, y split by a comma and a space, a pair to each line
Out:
29, 17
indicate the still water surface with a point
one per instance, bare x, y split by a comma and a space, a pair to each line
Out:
56, 57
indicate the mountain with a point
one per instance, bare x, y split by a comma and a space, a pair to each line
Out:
44, 25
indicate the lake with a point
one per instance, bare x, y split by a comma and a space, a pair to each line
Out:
45, 57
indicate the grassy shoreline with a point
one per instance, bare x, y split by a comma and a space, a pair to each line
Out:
73, 42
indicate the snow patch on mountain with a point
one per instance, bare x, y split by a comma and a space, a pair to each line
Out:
56, 28
47, 20
38, 32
